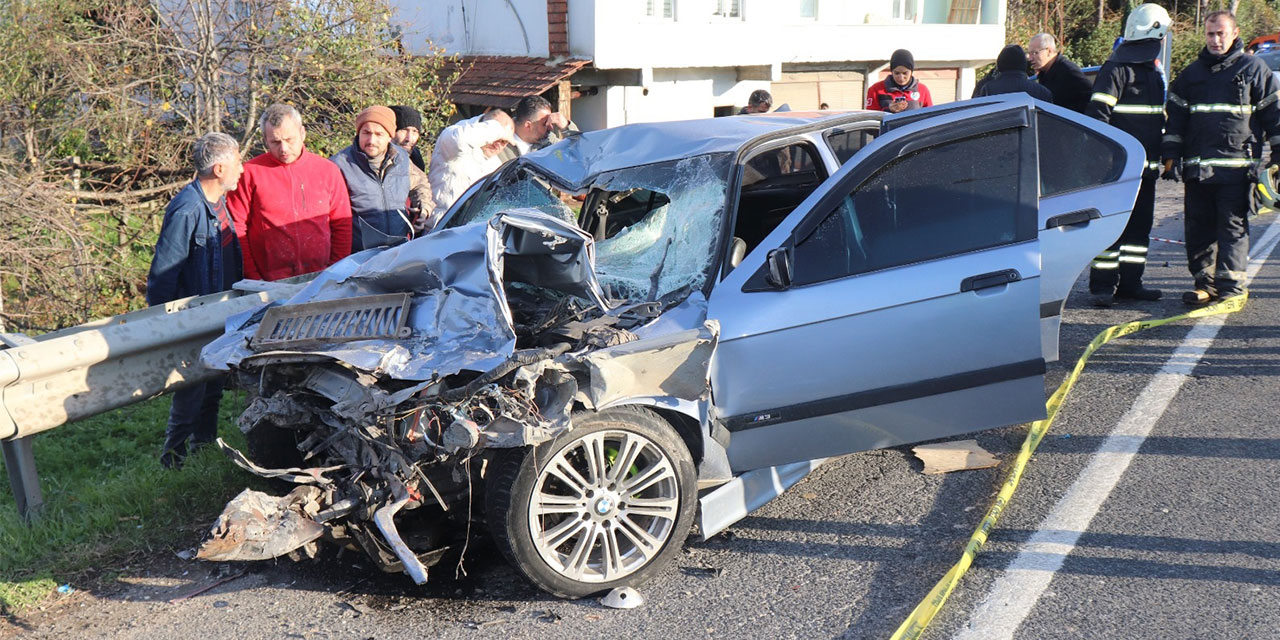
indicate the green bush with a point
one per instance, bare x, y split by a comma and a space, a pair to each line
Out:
107, 497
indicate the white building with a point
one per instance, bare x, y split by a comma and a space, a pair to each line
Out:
612, 62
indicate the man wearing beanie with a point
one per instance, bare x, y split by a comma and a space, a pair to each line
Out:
387, 192
901, 90
408, 130
1011, 77
291, 210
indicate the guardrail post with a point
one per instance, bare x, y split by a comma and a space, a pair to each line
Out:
21, 465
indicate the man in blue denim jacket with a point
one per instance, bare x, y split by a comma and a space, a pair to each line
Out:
197, 254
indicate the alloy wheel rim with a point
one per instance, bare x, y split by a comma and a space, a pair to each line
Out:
604, 506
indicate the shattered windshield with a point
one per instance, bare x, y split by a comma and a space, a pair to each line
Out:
655, 226
522, 189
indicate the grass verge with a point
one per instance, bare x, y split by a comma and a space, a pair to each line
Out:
106, 497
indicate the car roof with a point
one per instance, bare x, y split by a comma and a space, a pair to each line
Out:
575, 160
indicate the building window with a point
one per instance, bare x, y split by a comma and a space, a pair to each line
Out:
808, 8
729, 8
904, 10
667, 7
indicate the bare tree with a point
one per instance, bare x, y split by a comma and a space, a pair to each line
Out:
116, 90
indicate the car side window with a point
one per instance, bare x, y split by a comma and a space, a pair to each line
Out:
774, 182
1059, 138
939, 201
844, 144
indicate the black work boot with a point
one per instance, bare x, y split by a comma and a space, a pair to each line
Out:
1102, 299
1139, 293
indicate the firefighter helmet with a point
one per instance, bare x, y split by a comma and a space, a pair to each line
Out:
1147, 21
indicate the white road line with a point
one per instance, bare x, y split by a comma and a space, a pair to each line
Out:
1017, 590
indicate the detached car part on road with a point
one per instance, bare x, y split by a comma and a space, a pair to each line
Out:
734, 300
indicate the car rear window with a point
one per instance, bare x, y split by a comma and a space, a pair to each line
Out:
1062, 144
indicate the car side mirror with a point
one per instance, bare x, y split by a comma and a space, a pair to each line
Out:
778, 262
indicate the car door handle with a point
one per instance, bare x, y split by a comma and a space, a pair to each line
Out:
1081, 217
987, 280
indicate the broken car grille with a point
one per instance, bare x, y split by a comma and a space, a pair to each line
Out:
312, 323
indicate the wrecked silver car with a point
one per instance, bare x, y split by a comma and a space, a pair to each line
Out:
643, 326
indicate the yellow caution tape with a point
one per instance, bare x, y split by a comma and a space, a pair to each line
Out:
915, 624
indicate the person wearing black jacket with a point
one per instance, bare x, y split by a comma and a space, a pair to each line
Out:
1062, 77
1219, 110
1011, 77
1129, 95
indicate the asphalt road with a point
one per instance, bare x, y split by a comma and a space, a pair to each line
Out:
1173, 533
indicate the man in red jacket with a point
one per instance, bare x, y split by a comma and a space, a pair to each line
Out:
291, 208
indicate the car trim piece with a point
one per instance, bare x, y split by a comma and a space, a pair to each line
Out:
721, 507
887, 395
1051, 309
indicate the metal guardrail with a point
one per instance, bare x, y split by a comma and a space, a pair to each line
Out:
53, 379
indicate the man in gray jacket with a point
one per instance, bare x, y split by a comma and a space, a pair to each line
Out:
390, 198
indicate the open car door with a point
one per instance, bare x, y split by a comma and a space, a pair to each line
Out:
1084, 206
899, 302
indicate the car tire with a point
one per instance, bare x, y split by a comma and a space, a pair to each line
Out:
591, 534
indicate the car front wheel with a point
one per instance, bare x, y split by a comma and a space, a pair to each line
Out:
606, 504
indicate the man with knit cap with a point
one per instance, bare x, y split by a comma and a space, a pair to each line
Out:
387, 192
408, 130
901, 90
465, 152
1011, 77
291, 209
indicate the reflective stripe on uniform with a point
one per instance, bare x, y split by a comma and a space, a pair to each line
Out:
1098, 264
1176, 99
1274, 141
1266, 102
1133, 259
1172, 137
1222, 162
1238, 109
1154, 166
1151, 109
1133, 248
1108, 254
1105, 98
1227, 274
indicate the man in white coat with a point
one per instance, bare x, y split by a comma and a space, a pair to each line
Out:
465, 152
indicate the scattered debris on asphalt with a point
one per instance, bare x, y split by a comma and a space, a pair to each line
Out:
223, 580
961, 455
622, 598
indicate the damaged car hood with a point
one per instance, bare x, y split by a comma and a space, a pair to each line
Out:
457, 316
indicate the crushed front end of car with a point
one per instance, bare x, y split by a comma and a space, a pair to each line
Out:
382, 388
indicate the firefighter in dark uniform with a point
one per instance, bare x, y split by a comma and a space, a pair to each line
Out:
1221, 110
1129, 94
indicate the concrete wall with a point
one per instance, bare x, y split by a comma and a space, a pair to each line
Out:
617, 34
477, 27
